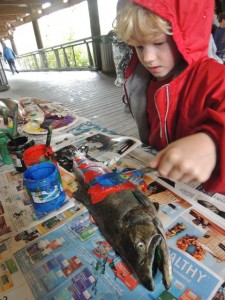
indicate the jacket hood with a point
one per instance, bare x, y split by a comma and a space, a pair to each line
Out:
191, 22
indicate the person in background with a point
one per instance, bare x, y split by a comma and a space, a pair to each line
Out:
121, 56
9, 57
212, 50
176, 93
219, 7
219, 36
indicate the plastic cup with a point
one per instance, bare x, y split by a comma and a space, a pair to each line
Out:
4, 153
16, 149
44, 186
36, 154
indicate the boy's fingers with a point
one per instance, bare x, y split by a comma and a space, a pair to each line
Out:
165, 163
153, 163
187, 178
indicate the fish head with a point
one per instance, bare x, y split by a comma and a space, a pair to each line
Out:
144, 248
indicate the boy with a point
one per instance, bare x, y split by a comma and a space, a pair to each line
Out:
175, 92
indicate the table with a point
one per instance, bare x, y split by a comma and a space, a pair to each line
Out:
63, 255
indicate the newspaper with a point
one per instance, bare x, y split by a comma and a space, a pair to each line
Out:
210, 202
99, 146
16, 208
211, 205
64, 255
74, 261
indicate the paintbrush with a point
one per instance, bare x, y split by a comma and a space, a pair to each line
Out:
49, 137
5, 116
15, 119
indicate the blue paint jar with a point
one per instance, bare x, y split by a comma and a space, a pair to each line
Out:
44, 186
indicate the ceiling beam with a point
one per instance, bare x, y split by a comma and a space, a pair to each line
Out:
18, 12
26, 2
9, 18
13, 10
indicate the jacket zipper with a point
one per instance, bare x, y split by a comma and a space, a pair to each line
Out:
160, 125
167, 110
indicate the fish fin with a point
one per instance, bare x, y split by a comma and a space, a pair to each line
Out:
143, 199
81, 194
80, 177
156, 204
78, 174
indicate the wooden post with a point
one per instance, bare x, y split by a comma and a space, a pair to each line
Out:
95, 31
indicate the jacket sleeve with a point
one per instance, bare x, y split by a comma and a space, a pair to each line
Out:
212, 122
214, 126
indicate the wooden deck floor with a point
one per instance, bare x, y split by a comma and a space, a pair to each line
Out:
89, 94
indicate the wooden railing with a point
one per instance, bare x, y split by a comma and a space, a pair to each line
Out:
77, 55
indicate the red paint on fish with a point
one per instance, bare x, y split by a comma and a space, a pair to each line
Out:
99, 192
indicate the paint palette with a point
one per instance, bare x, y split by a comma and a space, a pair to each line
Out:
40, 114
35, 126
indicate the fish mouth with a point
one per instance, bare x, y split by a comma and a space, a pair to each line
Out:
158, 258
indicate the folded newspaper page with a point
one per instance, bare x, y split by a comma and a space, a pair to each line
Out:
63, 255
66, 256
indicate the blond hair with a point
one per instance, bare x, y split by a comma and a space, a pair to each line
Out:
135, 23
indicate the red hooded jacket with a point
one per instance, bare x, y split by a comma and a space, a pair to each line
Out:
192, 102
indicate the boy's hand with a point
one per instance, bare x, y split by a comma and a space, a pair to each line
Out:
189, 159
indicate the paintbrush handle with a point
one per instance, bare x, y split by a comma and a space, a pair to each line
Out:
49, 137
5, 116
15, 119
9, 136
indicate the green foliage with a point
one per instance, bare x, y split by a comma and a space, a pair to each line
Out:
75, 56
50, 60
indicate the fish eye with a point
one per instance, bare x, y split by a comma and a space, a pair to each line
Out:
140, 246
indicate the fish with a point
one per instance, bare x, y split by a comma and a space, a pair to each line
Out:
127, 219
